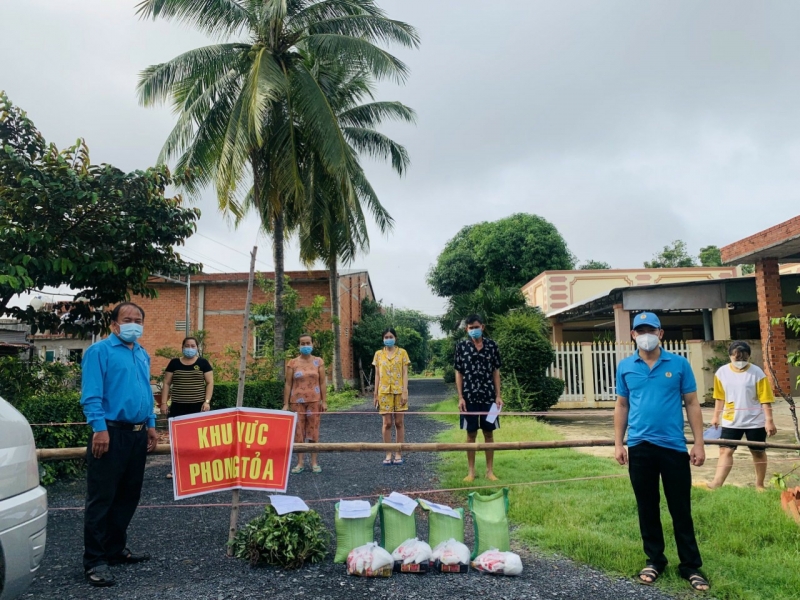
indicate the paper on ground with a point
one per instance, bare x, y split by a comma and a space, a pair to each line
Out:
400, 502
353, 509
494, 411
441, 509
287, 504
712, 433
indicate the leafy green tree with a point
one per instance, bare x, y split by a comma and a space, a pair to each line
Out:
710, 256
67, 222
412, 333
507, 253
251, 110
333, 228
596, 265
523, 339
299, 320
672, 256
490, 301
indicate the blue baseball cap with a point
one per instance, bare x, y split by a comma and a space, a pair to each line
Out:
646, 318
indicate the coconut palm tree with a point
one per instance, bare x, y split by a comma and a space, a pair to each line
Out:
334, 227
250, 109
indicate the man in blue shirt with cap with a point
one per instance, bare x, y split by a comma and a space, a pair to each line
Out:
652, 386
118, 404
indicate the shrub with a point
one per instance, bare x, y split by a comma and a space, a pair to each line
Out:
527, 353
288, 541
57, 408
21, 379
449, 374
257, 394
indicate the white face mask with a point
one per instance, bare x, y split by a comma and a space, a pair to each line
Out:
740, 364
647, 341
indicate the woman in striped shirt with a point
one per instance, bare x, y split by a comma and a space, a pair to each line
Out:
189, 382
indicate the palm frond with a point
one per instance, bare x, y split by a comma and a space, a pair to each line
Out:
378, 145
371, 115
330, 47
214, 17
368, 27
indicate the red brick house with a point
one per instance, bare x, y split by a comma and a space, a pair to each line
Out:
217, 306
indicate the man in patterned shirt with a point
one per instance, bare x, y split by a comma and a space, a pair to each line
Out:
477, 365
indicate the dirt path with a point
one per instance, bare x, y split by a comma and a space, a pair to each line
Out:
187, 543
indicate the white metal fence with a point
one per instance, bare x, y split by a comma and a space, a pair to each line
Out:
589, 369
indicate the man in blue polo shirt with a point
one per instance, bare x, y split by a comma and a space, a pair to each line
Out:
118, 404
652, 386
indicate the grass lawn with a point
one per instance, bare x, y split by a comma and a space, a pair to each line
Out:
750, 548
343, 400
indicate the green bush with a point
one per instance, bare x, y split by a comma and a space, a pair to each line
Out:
449, 374
57, 408
288, 541
21, 379
523, 338
257, 394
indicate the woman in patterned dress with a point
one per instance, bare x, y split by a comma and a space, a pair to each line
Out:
305, 394
391, 391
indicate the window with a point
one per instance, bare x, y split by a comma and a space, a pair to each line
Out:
261, 345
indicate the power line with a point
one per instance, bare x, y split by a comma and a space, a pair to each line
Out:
232, 248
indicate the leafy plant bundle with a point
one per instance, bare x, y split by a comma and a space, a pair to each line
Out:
287, 541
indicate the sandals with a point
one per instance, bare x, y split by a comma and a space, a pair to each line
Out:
316, 469
387, 462
297, 470
649, 571
696, 580
398, 461
100, 576
126, 557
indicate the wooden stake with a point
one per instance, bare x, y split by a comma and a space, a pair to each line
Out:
240, 391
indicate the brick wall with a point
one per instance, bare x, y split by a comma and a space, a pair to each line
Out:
770, 305
762, 240
223, 297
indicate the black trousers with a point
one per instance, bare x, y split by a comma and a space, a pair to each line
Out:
114, 485
648, 464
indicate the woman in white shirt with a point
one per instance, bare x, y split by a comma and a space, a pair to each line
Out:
743, 407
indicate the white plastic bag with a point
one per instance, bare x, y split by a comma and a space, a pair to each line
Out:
451, 552
413, 552
370, 560
498, 563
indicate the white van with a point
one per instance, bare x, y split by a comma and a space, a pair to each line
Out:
23, 504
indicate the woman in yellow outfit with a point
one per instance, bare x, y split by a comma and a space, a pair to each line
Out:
391, 391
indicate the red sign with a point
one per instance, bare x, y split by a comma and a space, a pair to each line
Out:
232, 448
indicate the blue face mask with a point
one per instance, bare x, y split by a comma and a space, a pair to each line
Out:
306, 350
190, 352
388, 342
475, 333
130, 332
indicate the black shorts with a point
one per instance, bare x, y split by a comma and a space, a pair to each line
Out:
759, 434
472, 423
179, 409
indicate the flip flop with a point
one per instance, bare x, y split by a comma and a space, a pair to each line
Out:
398, 461
387, 462
316, 469
297, 470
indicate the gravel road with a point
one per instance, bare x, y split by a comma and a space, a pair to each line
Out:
187, 543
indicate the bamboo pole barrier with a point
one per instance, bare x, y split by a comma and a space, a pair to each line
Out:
45, 454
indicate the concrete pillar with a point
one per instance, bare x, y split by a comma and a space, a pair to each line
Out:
721, 324
201, 306
558, 332
622, 324
770, 306
697, 363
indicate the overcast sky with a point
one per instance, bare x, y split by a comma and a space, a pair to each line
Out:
627, 124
